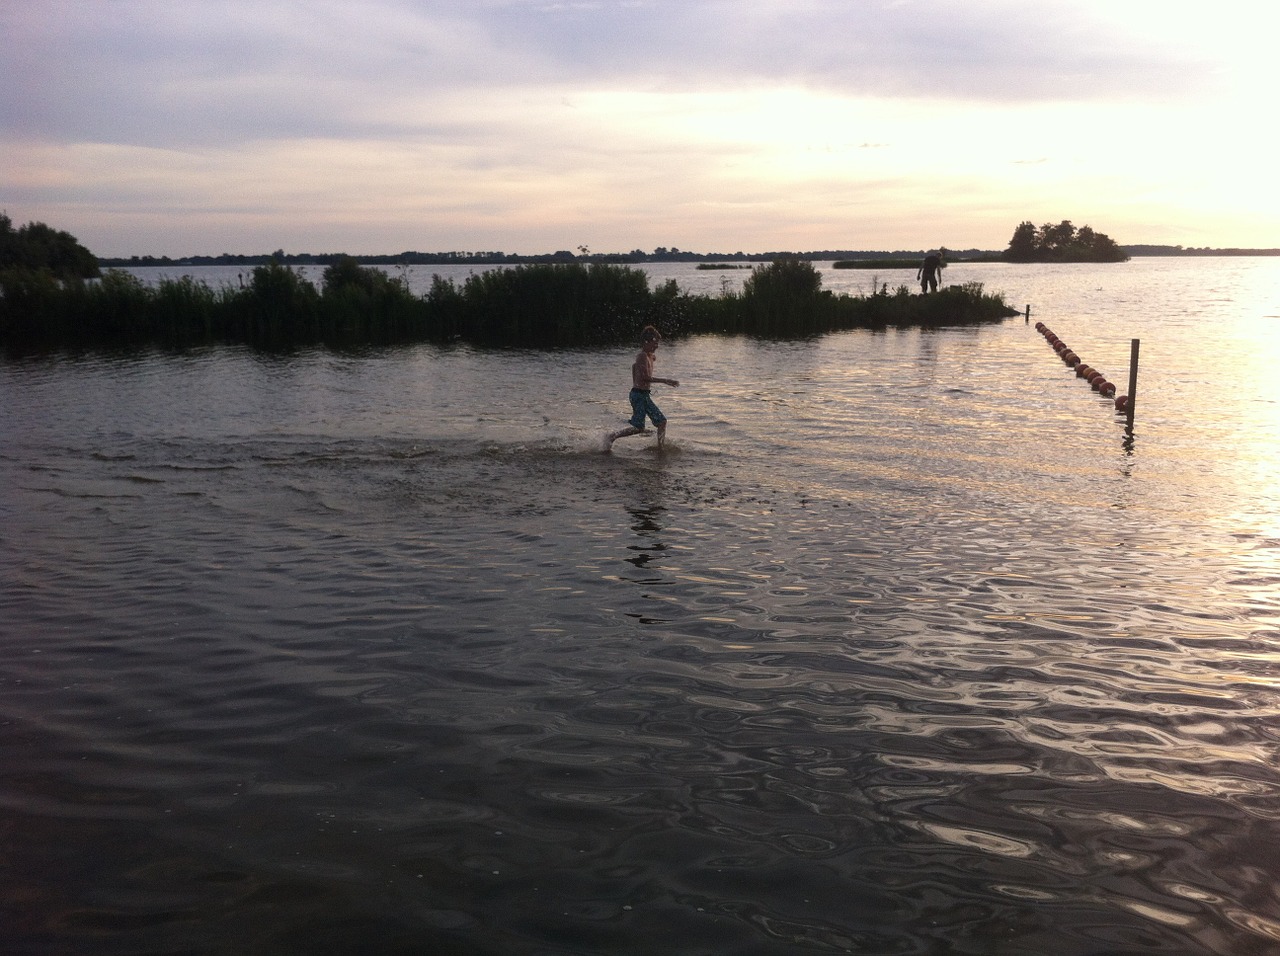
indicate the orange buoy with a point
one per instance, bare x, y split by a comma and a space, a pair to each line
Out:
1083, 371
1070, 357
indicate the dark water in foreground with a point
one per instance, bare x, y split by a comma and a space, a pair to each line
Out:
898, 648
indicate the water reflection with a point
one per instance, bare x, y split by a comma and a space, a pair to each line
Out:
646, 525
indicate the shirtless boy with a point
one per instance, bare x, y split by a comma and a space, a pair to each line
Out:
642, 379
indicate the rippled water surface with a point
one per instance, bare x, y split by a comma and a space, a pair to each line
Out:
901, 646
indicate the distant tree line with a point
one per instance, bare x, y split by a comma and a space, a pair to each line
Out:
634, 257
899, 257
1155, 250
1062, 242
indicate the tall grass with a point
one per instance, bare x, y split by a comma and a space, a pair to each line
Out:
542, 305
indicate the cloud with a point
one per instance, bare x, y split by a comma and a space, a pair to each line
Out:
528, 124
181, 72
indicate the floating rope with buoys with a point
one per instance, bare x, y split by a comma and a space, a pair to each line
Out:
1097, 381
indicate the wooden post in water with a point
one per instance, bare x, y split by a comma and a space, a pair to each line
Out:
1133, 383
1028, 322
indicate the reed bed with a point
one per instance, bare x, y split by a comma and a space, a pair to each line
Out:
540, 305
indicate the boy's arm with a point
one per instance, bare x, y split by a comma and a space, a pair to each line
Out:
642, 374
664, 381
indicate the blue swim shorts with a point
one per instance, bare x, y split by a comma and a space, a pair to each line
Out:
642, 405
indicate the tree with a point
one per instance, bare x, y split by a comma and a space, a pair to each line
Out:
36, 247
784, 280
1022, 247
347, 273
1105, 249
1061, 242
1056, 240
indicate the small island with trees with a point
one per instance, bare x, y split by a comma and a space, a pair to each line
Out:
1061, 243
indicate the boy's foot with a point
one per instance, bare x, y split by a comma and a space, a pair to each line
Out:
611, 437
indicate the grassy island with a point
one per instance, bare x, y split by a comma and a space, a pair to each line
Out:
525, 306
876, 263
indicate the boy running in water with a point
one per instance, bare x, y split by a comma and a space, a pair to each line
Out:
642, 379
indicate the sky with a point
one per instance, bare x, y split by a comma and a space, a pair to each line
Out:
201, 127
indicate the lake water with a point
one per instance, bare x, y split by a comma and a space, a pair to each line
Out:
901, 646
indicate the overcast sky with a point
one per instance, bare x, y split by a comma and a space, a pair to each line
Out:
186, 127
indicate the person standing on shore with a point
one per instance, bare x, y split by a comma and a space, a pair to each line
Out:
642, 379
929, 272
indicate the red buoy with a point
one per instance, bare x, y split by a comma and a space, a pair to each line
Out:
1122, 403
1107, 389
1083, 371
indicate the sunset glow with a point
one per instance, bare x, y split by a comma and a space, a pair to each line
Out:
183, 128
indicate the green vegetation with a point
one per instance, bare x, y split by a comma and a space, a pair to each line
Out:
526, 306
786, 299
40, 249
1061, 243
539, 305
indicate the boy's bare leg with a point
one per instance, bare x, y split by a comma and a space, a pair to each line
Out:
662, 434
610, 438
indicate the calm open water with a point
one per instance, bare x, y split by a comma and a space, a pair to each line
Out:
898, 648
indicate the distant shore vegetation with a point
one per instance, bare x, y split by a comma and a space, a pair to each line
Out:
840, 258
528, 306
